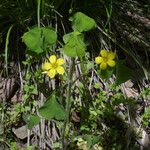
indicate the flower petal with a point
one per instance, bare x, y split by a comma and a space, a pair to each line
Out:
52, 59
98, 60
60, 70
111, 55
111, 63
51, 73
47, 66
104, 53
45, 72
103, 66
60, 61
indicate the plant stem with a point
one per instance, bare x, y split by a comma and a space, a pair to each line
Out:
6, 48
68, 101
38, 13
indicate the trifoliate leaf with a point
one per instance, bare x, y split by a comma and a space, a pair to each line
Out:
33, 40
123, 73
52, 109
81, 22
38, 39
31, 120
74, 44
50, 36
66, 37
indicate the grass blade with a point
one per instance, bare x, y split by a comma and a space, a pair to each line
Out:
6, 49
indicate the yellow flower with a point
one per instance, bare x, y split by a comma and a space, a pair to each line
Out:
105, 59
53, 67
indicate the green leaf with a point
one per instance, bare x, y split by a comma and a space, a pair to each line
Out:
29, 148
106, 74
56, 145
38, 39
50, 36
90, 65
74, 44
123, 73
67, 37
33, 40
91, 139
31, 120
147, 111
81, 22
13, 145
85, 67
52, 109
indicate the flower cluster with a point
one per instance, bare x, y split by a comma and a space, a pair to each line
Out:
53, 67
106, 59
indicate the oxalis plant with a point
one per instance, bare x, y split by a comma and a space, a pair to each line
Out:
61, 64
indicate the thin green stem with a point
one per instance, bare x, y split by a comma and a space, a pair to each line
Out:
6, 49
38, 12
68, 101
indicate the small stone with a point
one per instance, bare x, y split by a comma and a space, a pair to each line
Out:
128, 84
20, 132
